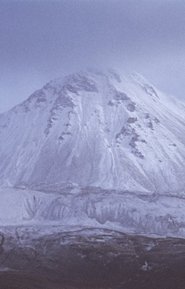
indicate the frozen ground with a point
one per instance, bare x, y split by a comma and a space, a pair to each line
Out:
131, 212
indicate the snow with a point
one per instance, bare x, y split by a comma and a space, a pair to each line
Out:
92, 129
78, 150
133, 212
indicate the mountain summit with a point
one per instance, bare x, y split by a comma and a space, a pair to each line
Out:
98, 130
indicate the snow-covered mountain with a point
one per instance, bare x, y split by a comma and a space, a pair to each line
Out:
98, 130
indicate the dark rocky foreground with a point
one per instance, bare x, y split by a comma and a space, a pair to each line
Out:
90, 259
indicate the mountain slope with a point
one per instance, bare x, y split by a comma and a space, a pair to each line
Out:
95, 129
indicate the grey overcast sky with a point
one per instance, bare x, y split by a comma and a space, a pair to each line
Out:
41, 40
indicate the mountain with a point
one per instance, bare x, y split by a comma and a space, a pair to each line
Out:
97, 150
94, 129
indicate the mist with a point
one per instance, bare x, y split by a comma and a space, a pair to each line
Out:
42, 40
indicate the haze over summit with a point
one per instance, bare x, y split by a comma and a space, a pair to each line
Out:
44, 40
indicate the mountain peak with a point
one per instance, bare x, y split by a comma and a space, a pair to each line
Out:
95, 129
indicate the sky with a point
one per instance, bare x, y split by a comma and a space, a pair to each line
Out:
44, 39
